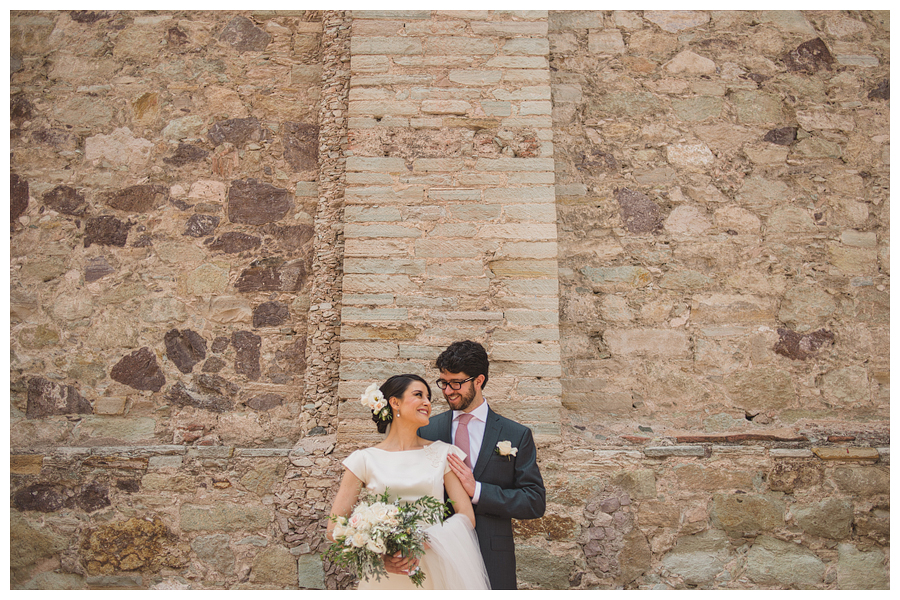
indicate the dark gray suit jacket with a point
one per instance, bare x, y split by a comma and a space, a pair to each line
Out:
511, 488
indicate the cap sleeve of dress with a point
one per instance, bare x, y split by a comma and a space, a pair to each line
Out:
451, 449
356, 464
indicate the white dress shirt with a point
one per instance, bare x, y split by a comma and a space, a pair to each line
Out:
476, 435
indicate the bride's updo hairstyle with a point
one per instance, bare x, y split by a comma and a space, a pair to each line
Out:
395, 387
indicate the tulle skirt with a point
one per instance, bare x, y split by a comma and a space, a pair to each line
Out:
453, 561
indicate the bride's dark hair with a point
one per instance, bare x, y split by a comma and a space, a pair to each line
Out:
395, 387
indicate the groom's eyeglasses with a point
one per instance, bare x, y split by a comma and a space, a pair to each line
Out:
454, 385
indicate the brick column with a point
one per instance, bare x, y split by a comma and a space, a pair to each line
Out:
323, 345
450, 215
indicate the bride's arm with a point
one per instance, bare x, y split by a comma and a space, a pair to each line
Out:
462, 504
345, 499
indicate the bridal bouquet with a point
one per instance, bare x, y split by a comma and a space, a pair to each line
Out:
380, 526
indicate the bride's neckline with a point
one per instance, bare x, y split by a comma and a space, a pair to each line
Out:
398, 451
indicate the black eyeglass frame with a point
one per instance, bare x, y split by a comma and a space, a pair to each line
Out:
454, 385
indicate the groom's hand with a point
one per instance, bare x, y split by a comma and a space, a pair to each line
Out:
463, 473
399, 565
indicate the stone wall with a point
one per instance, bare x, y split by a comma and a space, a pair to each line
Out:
670, 230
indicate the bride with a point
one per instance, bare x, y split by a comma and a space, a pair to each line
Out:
410, 467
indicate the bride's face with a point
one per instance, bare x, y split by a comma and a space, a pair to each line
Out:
415, 405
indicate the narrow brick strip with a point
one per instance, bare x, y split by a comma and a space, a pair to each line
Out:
323, 324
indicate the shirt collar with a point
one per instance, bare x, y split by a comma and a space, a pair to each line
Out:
479, 413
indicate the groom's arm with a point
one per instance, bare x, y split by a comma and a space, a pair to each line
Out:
527, 498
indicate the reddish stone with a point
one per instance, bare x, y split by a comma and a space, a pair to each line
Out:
46, 398
232, 242
882, 91
841, 438
58, 138
220, 344
301, 145
20, 109
186, 153
138, 198
597, 162
270, 314
213, 365
176, 37
41, 497
179, 395
201, 225
18, 196
66, 200
265, 402
89, 16
139, 370
244, 36
258, 279
185, 348
97, 268
639, 213
218, 384
254, 203
635, 439
610, 505
246, 361
105, 231
236, 132
131, 486
92, 497
783, 136
809, 57
801, 347
293, 355
290, 237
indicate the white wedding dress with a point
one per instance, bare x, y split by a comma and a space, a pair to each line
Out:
453, 561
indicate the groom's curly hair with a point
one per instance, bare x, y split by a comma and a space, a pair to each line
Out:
465, 357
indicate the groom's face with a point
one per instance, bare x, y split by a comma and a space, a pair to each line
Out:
462, 398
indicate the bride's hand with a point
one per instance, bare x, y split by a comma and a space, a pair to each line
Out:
399, 565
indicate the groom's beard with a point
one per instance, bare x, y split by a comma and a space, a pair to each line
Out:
464, 400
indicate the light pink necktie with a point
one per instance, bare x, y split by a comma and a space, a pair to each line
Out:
462, 436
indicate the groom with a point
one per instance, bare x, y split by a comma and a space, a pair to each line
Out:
502, 485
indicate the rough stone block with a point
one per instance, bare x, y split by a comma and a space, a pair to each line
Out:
511, 195
862, 480
377, 165
354, 230
830, 518
740, 514
783, 565
385, 45
510, 28
224, 516
732, 308
861, 570
649, 342
362, 284
699, 558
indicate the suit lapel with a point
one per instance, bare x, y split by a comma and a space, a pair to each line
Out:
445, 426
488, 442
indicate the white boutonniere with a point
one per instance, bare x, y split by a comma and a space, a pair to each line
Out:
505, 449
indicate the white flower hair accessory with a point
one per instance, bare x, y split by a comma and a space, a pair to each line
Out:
374, 400
506, 449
